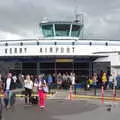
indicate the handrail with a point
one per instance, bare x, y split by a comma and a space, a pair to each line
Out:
62, 39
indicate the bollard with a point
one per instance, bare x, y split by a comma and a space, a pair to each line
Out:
70, 94
114, 93
102, 95
75, 89
95, 90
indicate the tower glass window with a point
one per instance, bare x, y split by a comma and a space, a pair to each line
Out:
62, 29
47, 30
75, 30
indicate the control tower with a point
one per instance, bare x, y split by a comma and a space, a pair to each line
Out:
58, 29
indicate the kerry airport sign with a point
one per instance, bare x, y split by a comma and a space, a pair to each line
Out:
41, 50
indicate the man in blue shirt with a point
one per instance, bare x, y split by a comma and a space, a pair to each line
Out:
50, 81
118, 80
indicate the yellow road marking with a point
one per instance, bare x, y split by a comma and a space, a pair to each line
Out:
95, 97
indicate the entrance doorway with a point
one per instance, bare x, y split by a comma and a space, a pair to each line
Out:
64, 66
29, 68
82, 69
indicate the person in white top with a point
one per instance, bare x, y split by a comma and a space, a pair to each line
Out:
15, 80
28, 85
72, 77
8, 82
111, 80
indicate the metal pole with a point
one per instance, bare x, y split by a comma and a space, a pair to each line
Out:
74, 74
95, 89
55, 74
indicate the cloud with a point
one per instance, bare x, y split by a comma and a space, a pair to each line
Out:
9, 36
22, 17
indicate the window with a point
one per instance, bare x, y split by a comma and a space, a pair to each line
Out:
73, 43
6, 44
62, 29
21, 43
106, 44
47, 30
55, 43
90, 43
75, 30
6, 50
37, 43
15, 50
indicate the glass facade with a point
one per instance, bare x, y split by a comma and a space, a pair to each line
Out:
83, 68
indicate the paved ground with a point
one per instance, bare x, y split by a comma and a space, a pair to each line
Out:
54, 109
62, 109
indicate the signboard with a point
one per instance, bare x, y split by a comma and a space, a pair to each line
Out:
64, 60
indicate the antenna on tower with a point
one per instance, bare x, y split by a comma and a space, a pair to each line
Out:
75, 12
79, 17
75, 9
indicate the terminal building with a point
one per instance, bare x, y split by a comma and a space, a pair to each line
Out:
61, 49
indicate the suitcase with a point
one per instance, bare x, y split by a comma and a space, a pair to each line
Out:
6, 102
34, 100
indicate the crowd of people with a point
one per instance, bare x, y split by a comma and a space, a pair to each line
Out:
42, 84
108, 81
34, 84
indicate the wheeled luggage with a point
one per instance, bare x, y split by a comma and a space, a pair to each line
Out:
34, 100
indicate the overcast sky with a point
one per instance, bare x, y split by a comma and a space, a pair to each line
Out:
21, 18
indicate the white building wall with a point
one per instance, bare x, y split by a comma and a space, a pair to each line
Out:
81, 48
114, 59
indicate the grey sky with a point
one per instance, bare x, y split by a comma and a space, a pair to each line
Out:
21, 18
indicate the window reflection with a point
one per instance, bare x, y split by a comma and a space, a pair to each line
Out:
75, 30
47, 30
62, 29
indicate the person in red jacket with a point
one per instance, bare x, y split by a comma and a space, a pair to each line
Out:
1, 92
42, 89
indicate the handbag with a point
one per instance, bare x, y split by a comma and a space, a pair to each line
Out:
45, 89
35, 89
